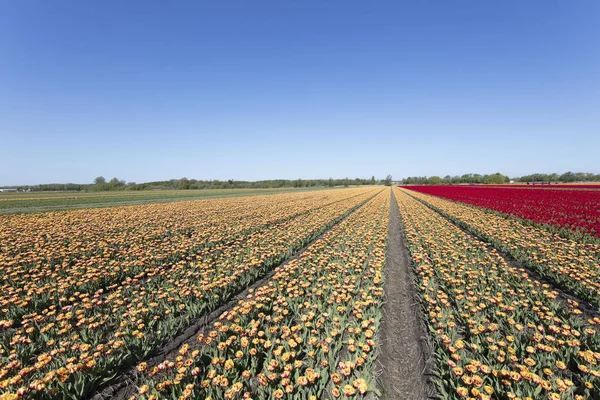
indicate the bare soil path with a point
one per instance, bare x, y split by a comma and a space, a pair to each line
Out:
405, 355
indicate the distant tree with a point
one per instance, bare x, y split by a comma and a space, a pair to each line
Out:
184, 183
496, 178
115, 184
388, 180
568, 177
373, 180
435, 180
499, 178
99, 185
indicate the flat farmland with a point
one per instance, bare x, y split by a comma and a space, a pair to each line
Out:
391, 257
86, 294
568, 211
512, 307
52, 201
365, 292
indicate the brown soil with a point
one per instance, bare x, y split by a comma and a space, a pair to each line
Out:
405, 357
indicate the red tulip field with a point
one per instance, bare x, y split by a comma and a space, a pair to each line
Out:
575, 210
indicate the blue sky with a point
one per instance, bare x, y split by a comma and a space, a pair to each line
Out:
296, 89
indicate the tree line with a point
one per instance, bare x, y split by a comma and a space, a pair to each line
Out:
567, 177
185, 183
498, 178
100, 184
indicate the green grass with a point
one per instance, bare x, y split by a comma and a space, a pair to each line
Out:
53, 201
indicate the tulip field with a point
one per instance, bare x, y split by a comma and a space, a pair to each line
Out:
86, 293
281, 296
307, 333
574, 210
501, 332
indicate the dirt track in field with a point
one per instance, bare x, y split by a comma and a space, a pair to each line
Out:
405, 355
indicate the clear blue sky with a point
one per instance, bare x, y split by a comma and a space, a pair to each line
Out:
296, 89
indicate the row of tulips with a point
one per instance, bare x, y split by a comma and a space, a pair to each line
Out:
499, 333
308, 333
46, 258
571, 265
575, 211
67, 351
